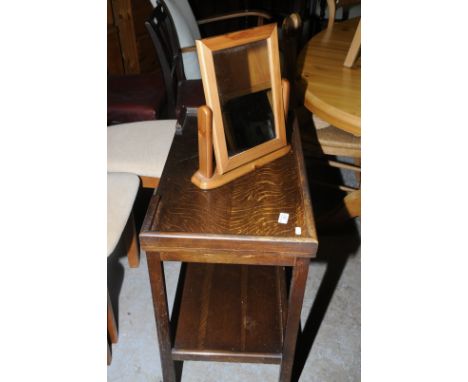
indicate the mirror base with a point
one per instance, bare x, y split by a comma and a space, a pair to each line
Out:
218, 180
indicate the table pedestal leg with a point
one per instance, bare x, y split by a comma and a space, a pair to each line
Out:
296, 296
161, 312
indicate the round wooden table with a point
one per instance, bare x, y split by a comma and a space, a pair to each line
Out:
333, 91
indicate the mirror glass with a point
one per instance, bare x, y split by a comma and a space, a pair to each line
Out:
244, 88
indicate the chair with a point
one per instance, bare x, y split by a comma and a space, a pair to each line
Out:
140, 148
334, 141
138, 97
122, 189
187, 30
350, 9
174, 29
356, 43
112, 332
315, 14
183, 96
326, 141
291, 35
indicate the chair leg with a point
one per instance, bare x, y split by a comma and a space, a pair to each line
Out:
149, 182
133, 251
352, 203
341, 165
357, 162
349, 208
111, 323
109, 354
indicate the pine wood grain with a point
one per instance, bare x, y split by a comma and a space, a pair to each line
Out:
354, 49
255, 61
205, 141
204, 177
333, 92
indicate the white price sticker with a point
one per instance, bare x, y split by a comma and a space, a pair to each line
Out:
283, 218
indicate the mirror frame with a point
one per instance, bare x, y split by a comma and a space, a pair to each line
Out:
205, 49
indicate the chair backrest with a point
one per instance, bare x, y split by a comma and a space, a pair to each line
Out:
291, 33
187, 32
333, 5
162, 32
182, 9
185, 15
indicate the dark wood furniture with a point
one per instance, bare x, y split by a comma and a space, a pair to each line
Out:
122, 51
129, 48
183, 96
135, 83
234, 303
136, 97
112, 332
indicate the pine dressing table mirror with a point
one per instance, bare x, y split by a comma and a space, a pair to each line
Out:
243, 122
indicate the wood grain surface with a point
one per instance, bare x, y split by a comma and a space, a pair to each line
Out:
234, 304
333, 91
123, 20
241, 215
231, 313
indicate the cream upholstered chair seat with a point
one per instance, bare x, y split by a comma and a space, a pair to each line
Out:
319, 123
122, 189
140, 148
